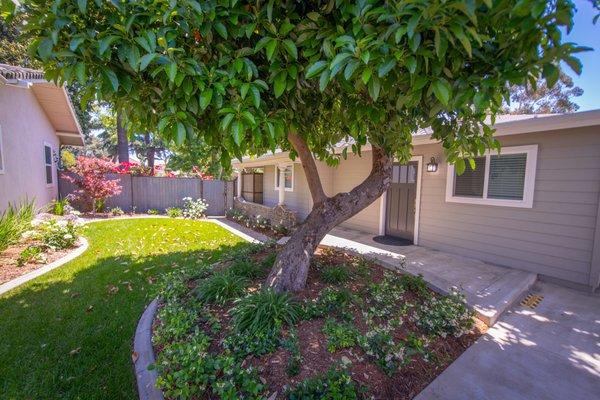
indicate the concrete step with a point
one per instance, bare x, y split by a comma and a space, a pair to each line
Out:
495, 299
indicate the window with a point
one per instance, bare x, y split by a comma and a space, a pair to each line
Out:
289, 178
1, 153
48, 164
505, 179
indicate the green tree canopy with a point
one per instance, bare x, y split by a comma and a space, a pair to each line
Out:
251, 76
243, 73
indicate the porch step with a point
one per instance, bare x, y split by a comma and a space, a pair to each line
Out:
491, 302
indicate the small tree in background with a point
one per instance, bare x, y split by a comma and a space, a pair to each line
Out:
93, 186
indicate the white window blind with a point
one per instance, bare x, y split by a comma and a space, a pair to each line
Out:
507, 176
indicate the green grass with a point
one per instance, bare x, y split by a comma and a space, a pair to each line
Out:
67, 335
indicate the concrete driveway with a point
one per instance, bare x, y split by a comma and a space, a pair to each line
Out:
549, 352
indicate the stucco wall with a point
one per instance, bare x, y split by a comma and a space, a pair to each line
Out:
555, 238
25, 128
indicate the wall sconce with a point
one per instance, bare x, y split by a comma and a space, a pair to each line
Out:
432, 165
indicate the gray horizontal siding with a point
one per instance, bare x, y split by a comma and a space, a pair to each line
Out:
554, 238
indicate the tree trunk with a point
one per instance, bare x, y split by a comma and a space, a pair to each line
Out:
150, 152
122, 141
290, 270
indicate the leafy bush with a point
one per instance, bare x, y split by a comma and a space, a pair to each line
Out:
246, 268
58, 235
339, 335
380, 346
176, 322
330, 301
448, 315
187, 371
264, 311
116, 211
292, 344
260, 222
194, 209
237, 215
153, 211
174, 212
59, 206
14, 221
335, 274
415, 284
90, 178
31, 254
333, 385
280, 229
242, 344
221, 288
385, 297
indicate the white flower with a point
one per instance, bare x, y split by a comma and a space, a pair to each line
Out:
68, 236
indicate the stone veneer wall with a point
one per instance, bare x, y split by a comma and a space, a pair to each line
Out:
278, 215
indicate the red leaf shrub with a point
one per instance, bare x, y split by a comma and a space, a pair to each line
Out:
90, 178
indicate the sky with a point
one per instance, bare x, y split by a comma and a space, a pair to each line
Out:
585, 33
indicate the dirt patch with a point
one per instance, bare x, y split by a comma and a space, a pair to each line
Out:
10, 269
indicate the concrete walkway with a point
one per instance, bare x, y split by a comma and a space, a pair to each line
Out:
551, 352
490, 289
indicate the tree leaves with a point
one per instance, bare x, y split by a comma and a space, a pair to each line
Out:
291, 49
442, 91
316, 68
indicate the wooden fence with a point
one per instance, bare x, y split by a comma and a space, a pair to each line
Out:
142, 193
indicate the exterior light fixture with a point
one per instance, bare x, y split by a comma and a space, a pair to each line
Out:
432, 165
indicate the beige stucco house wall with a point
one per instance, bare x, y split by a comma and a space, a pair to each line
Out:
34, 114
557, 237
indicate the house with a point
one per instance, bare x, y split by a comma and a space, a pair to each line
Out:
36, 118
535, 207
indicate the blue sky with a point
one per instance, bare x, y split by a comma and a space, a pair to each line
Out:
586, 34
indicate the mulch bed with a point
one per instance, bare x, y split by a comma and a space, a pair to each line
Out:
9, 269
405, 383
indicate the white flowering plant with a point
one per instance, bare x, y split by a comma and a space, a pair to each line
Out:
194, 209
57, 235
448, 315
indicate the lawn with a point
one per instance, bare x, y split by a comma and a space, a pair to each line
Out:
68, 334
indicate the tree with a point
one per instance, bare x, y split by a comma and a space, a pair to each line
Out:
542, 99
247, 77
90, 178
195, 157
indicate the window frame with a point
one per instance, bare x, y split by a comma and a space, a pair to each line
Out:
528, 186
3, 166
276, 180
51, 165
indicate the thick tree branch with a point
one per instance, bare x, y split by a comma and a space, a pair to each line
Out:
292, 263
310, 167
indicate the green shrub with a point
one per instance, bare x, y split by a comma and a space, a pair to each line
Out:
335, 274
448, 315
59, 206
333, 385
269, 260
292, 345
14, 221
153, 211
174, 212
221, 288
330, 300
30, 254
176, 322
264, 311
381, 347
58, 235
246, 268
116, 211
415, 284
187, 371
242, 344
340, 335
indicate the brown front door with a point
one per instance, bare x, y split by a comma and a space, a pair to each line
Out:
400, 201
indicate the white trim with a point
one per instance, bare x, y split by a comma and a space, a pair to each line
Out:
49, 185
276, 183
383, 203
529, 184
3, 167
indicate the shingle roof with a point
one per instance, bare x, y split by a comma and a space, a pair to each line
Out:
14, 72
